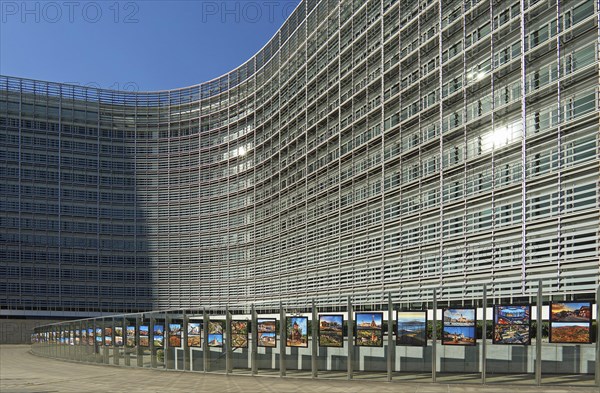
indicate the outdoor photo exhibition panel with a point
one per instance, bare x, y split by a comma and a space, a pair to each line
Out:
486, 339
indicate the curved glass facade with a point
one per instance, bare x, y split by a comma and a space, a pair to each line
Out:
370, 146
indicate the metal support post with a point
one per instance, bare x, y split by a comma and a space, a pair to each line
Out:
390, 343
254, 349
434, 339
228, 350
484, 336
166, 345
205, 348
314, 349
350, 338
126, 349
151, 342
186, 348
538, 339
282, 335
138, 347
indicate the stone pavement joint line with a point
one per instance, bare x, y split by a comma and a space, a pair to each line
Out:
20, 371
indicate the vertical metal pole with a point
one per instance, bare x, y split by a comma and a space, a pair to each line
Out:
167, 347
484, 336
254, 349
314, 333
138, 347
598, 336
390, 343
434, 339
282, 336
126, 349
206, 349
350, 338
538, 340
151, 343
228, 350
186, 348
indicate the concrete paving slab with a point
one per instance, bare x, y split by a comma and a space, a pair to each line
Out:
20, 371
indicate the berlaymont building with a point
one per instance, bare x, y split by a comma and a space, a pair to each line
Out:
370, 148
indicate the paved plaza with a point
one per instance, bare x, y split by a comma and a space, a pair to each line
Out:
21, 371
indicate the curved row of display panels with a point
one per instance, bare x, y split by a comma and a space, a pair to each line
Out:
480, 340
570, 322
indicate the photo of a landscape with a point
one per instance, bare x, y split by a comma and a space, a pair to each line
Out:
369, 338
570, 333
512, 315
108, 340
297, 332
458, 335
411, 328
144, 330
144, 341
194, 330
118, 336
571, 312
267, 339
174, 335
158, 335
266, 325
369, 320
90, 336
174, 341
331, 331
512, 325
194, 341
175, 329
459, 317
512, 334
215, 340
130, 331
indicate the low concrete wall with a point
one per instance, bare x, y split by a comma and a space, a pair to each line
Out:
18, 331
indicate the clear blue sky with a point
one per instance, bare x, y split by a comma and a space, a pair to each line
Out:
145, 45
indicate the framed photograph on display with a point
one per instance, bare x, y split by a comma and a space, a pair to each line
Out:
369, 329
239, 334
108, 336
570, 322
174, 335
215, 333
297, 332
194, 330
158, 336
118, 336
411, 328
331, 331
459, 326
266, 331
144, 336
130, 332
512, 324
84, 339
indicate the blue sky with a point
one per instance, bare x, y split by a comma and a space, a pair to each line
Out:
134, 45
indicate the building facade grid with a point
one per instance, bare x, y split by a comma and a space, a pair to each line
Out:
370, 146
